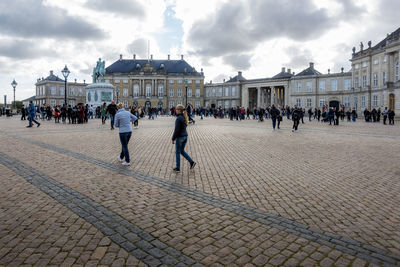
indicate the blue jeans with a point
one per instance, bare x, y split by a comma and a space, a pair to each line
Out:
124, 138
31, 117
180, 144
273, 122
112, 120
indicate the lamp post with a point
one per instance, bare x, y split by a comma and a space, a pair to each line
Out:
14, 84
117, 94
65, 72
186, 86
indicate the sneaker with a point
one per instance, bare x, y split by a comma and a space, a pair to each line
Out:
38, 125
119, 158
28, 126
292, 130
192, 165
176, 170
126, 163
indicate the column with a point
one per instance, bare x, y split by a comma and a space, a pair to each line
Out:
245, 97
273, 91
258, 97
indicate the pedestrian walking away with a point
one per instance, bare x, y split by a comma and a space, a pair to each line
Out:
274, 115
296, 118
123, 119
180, 136
31, 115
112, 109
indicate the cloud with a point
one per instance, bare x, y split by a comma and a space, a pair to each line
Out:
31, 18
24, 49
138, 47
238, 27
128, 8
350, 10
299, 58
238, 62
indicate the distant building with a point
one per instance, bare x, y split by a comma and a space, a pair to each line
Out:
155, 83
50, 91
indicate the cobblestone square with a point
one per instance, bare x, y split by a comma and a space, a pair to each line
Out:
325, 195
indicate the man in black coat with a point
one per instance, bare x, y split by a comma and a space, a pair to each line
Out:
274, 114
111, 110
296, 118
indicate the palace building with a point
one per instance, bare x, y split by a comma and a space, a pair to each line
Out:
155, 83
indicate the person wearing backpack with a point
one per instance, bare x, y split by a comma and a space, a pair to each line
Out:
295, 118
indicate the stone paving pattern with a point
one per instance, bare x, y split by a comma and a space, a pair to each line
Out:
336, 180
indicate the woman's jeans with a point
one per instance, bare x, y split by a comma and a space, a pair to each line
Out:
124, 138
180, 144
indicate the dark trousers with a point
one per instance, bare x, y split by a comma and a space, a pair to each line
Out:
31, 119
23, 117
384, 119
124, 138
273, 122
103, 119
180, 144
295, 124
112, 121
391, 120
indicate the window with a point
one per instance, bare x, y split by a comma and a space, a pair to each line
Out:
355, 99
322, 102
171, 82
375, 100
107, 81
356, 82
226, 103
309, 102
384, 78
189, 81
148, 90
347, 84
171, 92
171, 104
347, 101
375, 79
197, 81
80, 92
334, 85
125, 92
298, 86
179, 92
233, 103
125, 103
61, 89
376, 61
364, 81
197, 92
309, 86
298, 102
219, 103
197, 104
117, 81
396, 72
189, 92
179, 102
207, 103
220, 91
385, 59
160, 90
71, 103
226, 91
207, 92
71, 91
125, 81
356, 66
322, 85
213, 92
136, 90
52, 90
53, 102
364, 64
363, 101
233, 90
179, 81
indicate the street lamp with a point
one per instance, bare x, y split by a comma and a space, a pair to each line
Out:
186, 86
65, 72
14, 84
117, 92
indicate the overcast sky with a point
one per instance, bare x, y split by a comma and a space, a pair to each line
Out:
258, 37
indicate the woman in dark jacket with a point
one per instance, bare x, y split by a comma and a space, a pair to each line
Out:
179, 138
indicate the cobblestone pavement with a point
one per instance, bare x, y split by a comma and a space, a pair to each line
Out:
326, 195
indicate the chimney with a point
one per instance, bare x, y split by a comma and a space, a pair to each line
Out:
239, 73
283, 69
342, 69
224, 80
169, 57
289, 71
181, 57
329, 71
51, 72
84, 81
75, 80
210, 81
293, 73
120, 57
151, 57
134, 56
312, 65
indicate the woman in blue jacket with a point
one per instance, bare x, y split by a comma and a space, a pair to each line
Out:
179, 138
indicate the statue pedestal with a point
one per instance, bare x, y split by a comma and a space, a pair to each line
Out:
98, 93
